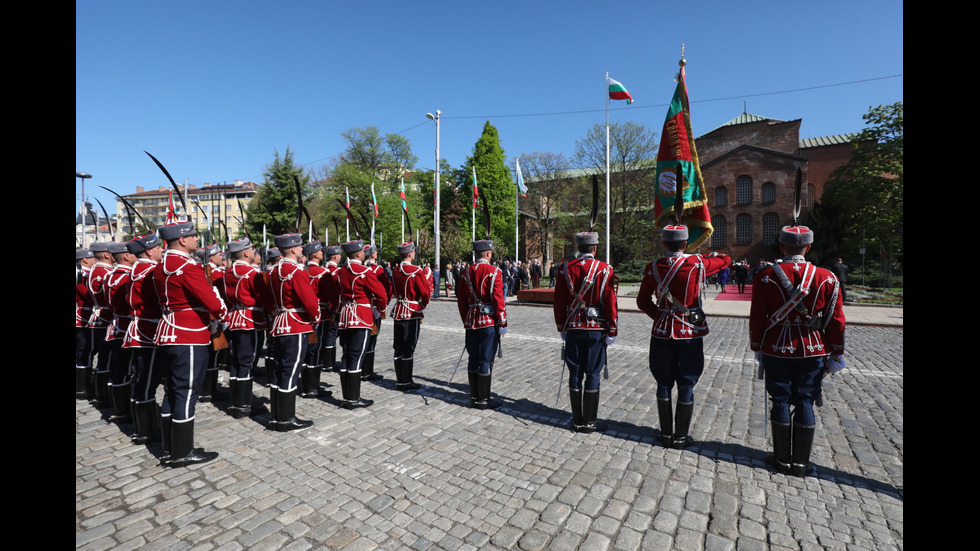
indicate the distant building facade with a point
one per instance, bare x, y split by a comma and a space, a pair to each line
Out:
207, 205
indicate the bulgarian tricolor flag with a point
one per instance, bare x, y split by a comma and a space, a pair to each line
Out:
404, 199
520, 178
347, 201
476, 192
171, 209
618, 91
374, 200
679, 158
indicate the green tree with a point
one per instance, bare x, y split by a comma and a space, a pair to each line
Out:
275, 204
863, 202
385, 157
632, 168
495, 185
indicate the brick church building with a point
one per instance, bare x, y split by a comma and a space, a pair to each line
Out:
749, 167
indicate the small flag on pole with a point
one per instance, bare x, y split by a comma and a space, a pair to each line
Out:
347, 202
171, 209
404, 201
476, 192
618, 91
374, 200
520, 179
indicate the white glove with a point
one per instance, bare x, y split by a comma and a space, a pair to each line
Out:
610, 339
835, 364
562, 335
503, 331
376, 312
758, 357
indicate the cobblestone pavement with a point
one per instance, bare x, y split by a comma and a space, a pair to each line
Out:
424, 471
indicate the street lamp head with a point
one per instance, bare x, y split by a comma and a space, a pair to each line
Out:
82, 175
430, 115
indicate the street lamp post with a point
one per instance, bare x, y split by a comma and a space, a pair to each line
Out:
436, 216
83, 176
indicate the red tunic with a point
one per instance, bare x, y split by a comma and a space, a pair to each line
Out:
793, 336
249, 297
187, 300
412, 292
144, 304
684, 285
117, 292
329, 291
570, 312
359, 291
486, 282
83, 300
97, 277
297, 308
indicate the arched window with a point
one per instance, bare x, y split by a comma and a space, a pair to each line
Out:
743, 229
721, 197
770, 227
718, 237
768, 193
743, 190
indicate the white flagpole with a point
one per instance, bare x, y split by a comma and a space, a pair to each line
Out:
347, 219
607, 167
403, 213
374, 206
517, 223
310, 231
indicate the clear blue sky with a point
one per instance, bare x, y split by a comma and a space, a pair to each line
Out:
212, 88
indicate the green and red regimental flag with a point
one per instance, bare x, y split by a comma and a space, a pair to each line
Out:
404, 200
678, 154
618, 91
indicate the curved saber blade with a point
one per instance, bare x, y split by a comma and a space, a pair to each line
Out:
798, 195
172, 182
107, 219
129, 210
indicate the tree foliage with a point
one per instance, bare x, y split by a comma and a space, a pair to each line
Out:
865, 195
549, 181
496, 187
632, 168
275, 204
384, 158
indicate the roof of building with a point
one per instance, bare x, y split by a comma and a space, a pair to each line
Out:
194, 190
822, 141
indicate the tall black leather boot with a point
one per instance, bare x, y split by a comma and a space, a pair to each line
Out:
666, 413
311, 381
165, 423
209, 393
353, 398
781, 436
182, 450
802, 444
287, 413
483, 399
81, 382
367, 370
682, 424
472, 376
405, 382
273, 406
590, 412
102, 398
145, 417
120, 395
575, 398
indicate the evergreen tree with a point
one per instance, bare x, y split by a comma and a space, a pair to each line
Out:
275, 204
495, 185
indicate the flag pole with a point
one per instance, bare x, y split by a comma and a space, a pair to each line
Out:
607, 167
403, 212
517, 223
473, 210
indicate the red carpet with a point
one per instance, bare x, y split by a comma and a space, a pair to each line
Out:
733, 294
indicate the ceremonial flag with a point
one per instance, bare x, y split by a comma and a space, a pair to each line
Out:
476, 192
678, 155
171, 209
404, 201
374, 200
347, 202
520, 178
618, 91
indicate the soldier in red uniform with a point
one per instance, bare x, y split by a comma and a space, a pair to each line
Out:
586, 315
671, 295
249, 299
210, 257
120, 360
796, 326
84, 261
371, 262
310, 379
361, 296
100, 320
484, 314
145, 307
297, 312
412, 293
328, 293
188, 303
